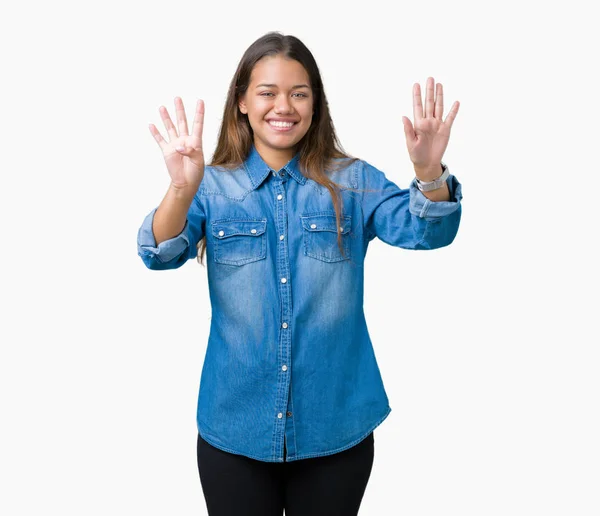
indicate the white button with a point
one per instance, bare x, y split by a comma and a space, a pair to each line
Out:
341, 230
313, 226
280, 237
221, 233
285, 325
274, 173
280, 415
284, 368
253, 231
280, 197
283, 280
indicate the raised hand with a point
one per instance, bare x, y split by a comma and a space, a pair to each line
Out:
183, 152
428, 139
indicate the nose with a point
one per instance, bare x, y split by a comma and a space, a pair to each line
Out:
282, 105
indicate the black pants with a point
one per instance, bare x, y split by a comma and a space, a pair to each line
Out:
332, 485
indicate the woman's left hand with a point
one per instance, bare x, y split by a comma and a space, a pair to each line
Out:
428, 139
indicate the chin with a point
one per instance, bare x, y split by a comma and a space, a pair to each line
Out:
281, 142
283, 146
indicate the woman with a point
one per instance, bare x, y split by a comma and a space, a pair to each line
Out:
290, 390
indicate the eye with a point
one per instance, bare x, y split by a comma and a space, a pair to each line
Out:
267, 93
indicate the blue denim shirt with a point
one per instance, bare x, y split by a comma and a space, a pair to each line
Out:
289, 357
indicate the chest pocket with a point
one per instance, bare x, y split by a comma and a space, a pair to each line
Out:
320, 236
239, 241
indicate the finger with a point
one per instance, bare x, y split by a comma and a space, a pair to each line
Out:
181, 120
452, 114
164, 114
429, 98
439, 102
157, 136
198, 127
417, 102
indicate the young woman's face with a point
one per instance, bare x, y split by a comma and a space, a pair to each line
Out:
279, 93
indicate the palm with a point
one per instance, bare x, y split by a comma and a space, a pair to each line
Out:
431, 140
184, 169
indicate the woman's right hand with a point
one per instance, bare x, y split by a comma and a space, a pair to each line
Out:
185, 166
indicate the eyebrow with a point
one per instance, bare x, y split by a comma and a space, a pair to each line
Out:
295, 87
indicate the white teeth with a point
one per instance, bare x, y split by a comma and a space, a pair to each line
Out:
281, 124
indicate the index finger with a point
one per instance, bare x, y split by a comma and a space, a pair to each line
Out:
198, 126
417, 101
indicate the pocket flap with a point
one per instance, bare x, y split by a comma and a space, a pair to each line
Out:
325, 222
227, 228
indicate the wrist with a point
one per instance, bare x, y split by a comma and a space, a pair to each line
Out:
183, 191
427, 174
433, 179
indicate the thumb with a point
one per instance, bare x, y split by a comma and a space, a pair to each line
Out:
409, 131
190, 152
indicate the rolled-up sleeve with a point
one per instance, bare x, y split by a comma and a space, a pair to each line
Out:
174, 252
405, 217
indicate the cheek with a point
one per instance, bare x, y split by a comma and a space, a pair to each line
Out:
308, 109
255, 108
262, 103
308, 115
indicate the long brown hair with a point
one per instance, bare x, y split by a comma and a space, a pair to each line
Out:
319, 146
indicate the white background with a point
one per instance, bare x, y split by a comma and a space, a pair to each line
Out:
488, 348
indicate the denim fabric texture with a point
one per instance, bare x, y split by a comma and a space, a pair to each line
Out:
289, 355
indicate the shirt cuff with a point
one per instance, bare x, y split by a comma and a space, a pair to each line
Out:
423, 207
167, 249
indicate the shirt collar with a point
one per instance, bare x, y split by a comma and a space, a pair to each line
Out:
258, 170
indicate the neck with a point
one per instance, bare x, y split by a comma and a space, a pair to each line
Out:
275, 158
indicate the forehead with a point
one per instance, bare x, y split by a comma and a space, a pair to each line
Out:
278, 70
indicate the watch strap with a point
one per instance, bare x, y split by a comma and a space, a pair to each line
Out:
426, 186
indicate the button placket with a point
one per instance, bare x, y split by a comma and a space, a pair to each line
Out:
283, 269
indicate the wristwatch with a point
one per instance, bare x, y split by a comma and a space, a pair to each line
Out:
426, 186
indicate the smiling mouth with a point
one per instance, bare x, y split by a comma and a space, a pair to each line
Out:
281, 126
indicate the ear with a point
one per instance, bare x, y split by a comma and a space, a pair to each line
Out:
242, 106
